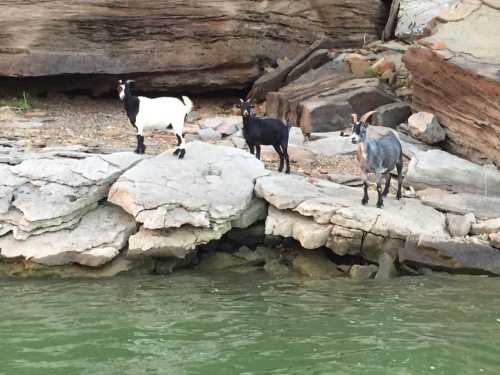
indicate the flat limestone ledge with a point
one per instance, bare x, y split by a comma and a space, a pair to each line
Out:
97, 239
329, 204
53, 189
212, 185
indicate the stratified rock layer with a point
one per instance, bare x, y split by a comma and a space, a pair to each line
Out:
52, 190
94, 241
321, 213
466, 105
174, 44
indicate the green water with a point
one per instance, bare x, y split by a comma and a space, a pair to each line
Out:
193, 323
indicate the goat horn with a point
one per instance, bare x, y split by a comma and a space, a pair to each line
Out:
354, 118
367, 116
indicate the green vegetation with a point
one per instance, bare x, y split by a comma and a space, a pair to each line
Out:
21, 104
370, 73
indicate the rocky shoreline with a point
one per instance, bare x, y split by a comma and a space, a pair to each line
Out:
66, 212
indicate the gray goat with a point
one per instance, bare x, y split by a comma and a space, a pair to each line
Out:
378, 156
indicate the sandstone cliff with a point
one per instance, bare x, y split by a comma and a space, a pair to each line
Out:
456, 75
170, 44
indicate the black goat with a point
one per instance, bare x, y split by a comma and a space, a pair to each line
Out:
265, 131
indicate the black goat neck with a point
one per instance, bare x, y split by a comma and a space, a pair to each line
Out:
246, 120
131, 104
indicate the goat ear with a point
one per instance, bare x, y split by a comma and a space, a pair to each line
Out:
120, 82
242, 101
130, 81
238, 106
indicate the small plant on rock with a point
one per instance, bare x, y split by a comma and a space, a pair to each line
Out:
23, 104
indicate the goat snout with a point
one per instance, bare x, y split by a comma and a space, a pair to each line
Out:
355, 139
246, 113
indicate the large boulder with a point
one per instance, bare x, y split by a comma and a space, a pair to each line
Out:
467, 105
392, 114
185, 203
51, 190
439, 169
323, 100
203, 45
94, 241
425, 127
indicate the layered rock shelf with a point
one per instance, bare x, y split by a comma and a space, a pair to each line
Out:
170, 213
467, 105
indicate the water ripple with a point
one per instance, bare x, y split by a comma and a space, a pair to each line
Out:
247, 324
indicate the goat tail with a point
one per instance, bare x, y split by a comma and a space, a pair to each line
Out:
188, 103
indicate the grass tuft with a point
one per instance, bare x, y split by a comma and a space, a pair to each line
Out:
23, 104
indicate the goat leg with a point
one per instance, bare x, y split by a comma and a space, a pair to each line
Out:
387, 184
380, 202
252, 149
282, 157
284, 147
179, 141
365, 189
257, 149
399, 167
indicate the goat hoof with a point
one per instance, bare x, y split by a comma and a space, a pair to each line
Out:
181, 154
364, 201
398, 196
287, 171
176, 152
380, 205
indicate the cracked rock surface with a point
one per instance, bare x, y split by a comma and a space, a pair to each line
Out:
202, 195
94, 241
322, 213
52, 190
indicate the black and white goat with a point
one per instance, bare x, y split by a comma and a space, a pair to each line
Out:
379, 156
264, 131
158, 113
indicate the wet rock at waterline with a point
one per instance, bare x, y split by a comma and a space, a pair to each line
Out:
459, 255
316, 265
